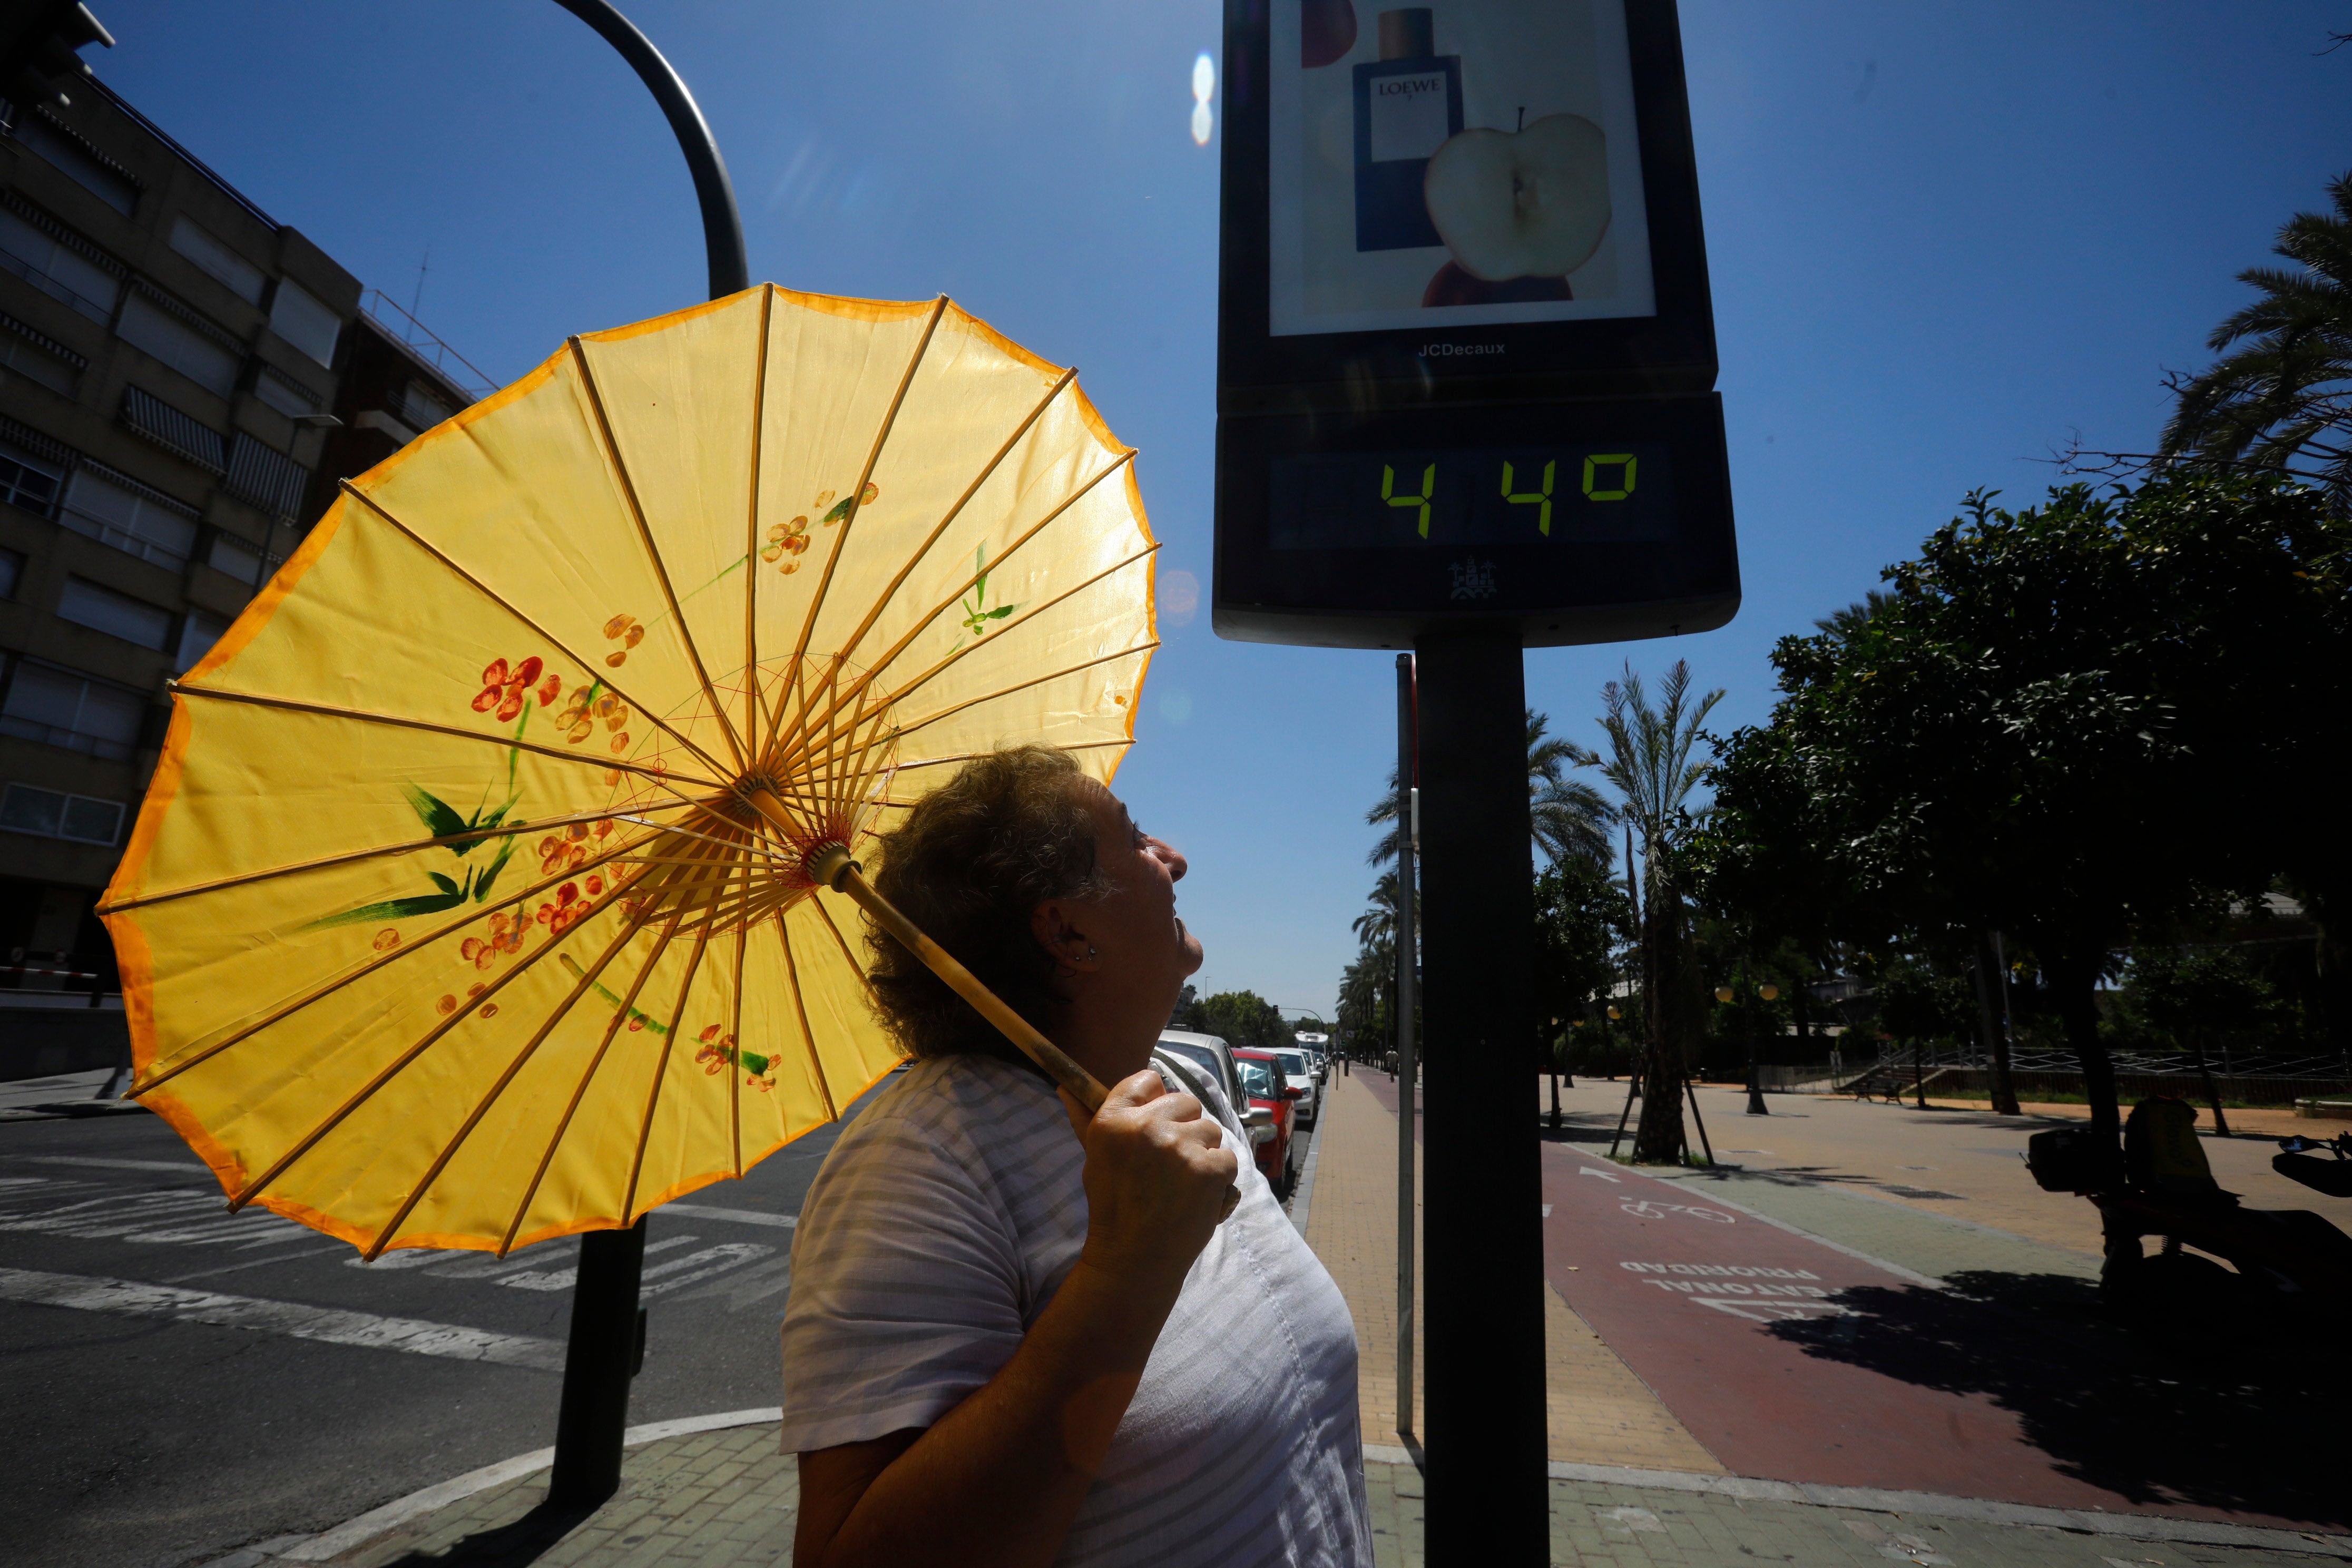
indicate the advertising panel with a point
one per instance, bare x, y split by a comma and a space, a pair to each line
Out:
1469, 163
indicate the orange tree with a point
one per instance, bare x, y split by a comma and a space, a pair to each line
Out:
2075, 721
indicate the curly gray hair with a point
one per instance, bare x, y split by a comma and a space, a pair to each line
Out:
968, 865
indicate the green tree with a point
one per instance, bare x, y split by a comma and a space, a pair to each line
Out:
1580, 920
1241, 1018
2280, 398
2072, 722
1652, 764
1917, 1006
1367, 1002
2198, 998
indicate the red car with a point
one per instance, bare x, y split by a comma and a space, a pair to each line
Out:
1262, 1080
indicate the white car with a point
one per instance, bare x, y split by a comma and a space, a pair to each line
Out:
1298, 1072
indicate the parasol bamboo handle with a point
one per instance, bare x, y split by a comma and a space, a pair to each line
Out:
832, 867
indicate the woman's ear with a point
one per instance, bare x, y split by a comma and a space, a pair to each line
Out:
1051, 924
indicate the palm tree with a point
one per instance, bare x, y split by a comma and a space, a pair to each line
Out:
2283, 402
1365, 987
1571, 818
1650, 764
1845, 624
1377, 923
1571, 821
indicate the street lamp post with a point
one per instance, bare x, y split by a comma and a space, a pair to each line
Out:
607, 1342
1766, 992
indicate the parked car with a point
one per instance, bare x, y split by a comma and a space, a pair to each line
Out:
1211, 1052
1300, 1072
1263, 1080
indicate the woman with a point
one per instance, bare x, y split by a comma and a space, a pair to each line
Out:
1018, 1335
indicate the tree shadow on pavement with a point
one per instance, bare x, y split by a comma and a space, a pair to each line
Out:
511, 1545
2219, 1409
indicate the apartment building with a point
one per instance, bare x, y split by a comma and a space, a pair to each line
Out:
183, 381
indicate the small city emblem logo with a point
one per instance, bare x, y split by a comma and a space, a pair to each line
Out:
1473, 579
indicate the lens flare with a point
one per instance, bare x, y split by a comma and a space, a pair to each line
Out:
1204, 87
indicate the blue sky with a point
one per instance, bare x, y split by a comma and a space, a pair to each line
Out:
1943, 240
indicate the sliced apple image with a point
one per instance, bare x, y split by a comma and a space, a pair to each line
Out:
1327, 31
1524, 204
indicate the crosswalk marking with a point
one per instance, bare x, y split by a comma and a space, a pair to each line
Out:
740, 1216
133, 1298
177, 1167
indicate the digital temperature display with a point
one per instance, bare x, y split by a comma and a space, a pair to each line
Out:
1592, 492
1573, 522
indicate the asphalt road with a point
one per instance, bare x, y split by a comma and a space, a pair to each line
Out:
275, 1386
139, 1438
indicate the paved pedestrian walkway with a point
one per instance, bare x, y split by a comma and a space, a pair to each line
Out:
1673, 1444
726, 1499
1600, 1412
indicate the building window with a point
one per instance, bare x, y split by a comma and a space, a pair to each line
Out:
286, 395
236, 557
131, 518
12, 571
57, 268
197, 635
49, 814
101, 609
65, 708
79, 162
38, 357
202, 358
420, 408
302, 318
27, 481
232, 271
180, 432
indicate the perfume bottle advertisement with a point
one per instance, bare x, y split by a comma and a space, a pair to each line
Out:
1467, 162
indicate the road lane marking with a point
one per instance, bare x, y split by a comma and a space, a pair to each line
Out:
98, 1219
177, 1167
259, 1262
1908, 1276
1588, 1171
740, 1216
716, 1260
417, 1336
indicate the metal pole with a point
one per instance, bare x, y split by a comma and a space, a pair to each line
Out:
1755, 1083
1488, 1495
608, 1342
1408, 1097
606, 1348
722, 226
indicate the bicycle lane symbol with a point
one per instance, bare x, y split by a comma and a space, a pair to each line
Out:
1644, 1209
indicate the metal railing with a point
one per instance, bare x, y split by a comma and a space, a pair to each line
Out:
420, 341
2221, 1061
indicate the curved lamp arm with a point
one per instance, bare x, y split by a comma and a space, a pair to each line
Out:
722, 226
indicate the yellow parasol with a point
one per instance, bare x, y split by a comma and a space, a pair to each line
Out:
494, 883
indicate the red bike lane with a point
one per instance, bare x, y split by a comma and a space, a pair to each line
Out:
1689, 1292
1791, 1360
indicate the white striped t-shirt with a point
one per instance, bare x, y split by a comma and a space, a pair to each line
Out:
938, 1229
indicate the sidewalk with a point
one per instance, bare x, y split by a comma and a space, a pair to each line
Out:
1632, 1486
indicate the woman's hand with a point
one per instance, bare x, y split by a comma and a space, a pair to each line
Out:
1157, 1179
